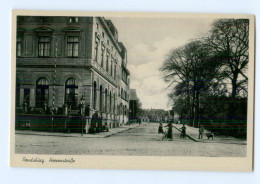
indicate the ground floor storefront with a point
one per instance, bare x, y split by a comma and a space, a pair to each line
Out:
67, 124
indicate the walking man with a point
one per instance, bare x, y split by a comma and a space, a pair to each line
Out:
183, 131
201, 130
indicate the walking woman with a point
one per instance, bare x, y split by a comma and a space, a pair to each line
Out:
160, 129
169, 134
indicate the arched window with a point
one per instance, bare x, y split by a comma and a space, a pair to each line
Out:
42, 92
106, 101
114, 109
100, 98
71, 93
110, 102
95, 96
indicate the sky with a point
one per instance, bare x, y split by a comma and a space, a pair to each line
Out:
147, 41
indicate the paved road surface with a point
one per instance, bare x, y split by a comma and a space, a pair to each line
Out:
141, 140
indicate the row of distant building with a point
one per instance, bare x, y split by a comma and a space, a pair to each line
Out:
150, 115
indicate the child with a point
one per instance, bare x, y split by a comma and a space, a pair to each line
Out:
183, 131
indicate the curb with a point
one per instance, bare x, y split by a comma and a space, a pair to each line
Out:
205, 141
187, 135
77, 136
118, 132
129, 128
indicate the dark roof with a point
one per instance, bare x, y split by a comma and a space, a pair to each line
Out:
133, 95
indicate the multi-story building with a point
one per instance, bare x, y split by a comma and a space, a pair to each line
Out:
66, 63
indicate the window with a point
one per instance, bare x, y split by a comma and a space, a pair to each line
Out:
26, 96
103, 34
95, 96
73, 46
96, 51
44, 46
42, 92
102, 58
100, 99
106, 101
45, 20
114, 109
107, 63
19, 47
71, 93
97, 26
110, 102
111, 67
73, 19
115, 71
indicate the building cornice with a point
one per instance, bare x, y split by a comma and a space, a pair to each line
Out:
104, 24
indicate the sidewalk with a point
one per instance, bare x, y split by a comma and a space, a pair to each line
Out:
193, 133
112, 131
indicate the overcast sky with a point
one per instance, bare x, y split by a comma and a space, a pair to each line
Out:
147, 41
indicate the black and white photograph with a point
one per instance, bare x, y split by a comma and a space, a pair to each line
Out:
137, 85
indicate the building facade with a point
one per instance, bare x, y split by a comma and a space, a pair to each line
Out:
71, 66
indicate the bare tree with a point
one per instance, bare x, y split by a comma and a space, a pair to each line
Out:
229, 41
209, 78
192, 68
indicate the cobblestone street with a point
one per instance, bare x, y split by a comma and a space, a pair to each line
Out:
139, 140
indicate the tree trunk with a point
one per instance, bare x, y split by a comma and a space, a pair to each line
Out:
234, 85
189, 112
197, 108
232, 106
193, 106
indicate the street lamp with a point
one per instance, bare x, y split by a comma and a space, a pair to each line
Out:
82, 107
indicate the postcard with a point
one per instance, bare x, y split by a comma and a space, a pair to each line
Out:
120, 90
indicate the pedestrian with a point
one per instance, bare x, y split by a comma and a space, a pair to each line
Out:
169, 134
183, 131
201, 130
139, 121
160, 129
93, 125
